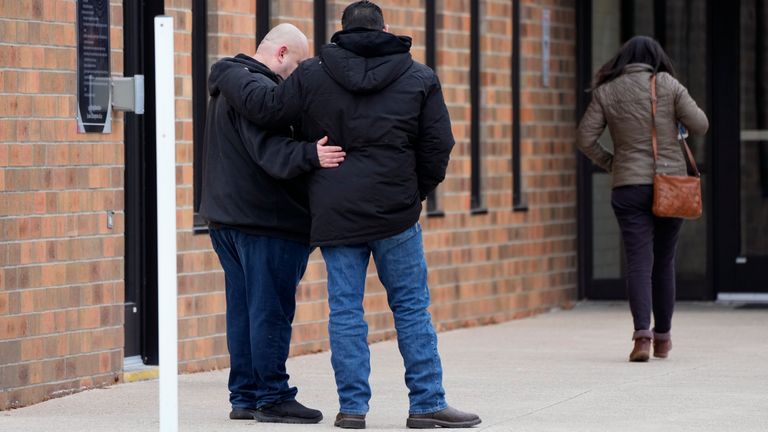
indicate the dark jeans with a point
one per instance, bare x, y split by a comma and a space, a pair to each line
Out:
261, 276
402, 270
649, 243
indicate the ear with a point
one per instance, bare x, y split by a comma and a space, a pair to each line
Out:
386, 28
281, 52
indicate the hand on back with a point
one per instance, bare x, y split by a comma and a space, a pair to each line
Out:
329, 156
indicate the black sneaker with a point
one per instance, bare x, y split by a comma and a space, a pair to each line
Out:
447, 418
288, 412
243, 414
350, 421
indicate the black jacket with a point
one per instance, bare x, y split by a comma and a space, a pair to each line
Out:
366, 93
254, 179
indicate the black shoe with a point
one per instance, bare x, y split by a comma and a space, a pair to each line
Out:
350, 421
243, 414
447, 418
288, 412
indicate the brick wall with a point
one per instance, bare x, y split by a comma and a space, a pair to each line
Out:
504, 264
61, 284
548, 142
483, 268
201, 304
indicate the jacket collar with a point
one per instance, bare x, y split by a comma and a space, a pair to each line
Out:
256, 66
637, 67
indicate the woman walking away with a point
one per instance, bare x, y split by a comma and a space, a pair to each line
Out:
621, 100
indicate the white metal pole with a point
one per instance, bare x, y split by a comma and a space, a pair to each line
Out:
166, 224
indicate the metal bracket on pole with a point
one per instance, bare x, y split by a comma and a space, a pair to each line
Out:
167, 281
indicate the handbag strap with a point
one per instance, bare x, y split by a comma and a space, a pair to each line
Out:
654, 139
691, 159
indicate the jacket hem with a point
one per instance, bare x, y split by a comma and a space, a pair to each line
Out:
266, 232
364, 238
632, 182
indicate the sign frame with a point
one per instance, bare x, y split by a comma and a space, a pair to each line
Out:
94, 69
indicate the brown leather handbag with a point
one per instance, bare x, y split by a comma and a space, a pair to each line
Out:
674, 196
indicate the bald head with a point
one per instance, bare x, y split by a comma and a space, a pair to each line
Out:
282, 49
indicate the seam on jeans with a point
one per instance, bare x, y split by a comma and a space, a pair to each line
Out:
435, 356
438, 407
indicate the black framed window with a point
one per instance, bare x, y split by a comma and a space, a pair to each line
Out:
263, 16
430, 48
320, 24
199, 102
476, 198
583, 165
518, 200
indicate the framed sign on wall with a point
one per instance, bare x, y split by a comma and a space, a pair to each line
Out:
94, 105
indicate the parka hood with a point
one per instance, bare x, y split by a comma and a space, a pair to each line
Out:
366, 61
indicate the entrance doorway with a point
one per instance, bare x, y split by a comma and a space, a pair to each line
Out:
744, 251
720, 51
141, 343
680, 26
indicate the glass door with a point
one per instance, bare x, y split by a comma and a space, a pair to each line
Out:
752, 259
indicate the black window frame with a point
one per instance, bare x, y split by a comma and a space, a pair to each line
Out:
518, 198
430, 57
263, 17
476, 194
199, 105
320, 24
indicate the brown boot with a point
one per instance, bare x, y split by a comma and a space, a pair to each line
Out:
641, 351
662, 345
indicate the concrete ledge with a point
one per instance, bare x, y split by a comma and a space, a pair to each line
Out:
149, 373
135, 370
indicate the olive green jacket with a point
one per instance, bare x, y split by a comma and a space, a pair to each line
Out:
624, 105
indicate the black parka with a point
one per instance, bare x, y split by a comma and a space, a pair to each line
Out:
254, 179
388, 113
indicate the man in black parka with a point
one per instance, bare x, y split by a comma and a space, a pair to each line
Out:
365, 92
254, 198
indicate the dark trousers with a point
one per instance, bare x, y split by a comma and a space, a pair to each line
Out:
649, 244
261, 275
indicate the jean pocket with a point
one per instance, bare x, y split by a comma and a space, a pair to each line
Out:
398, 239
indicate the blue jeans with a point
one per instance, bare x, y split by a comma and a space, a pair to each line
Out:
261, 276
402, 270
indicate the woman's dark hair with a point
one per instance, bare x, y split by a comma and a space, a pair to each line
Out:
639, 49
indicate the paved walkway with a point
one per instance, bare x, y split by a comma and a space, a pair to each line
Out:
561, 371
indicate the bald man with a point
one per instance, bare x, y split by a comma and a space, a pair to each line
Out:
255, 200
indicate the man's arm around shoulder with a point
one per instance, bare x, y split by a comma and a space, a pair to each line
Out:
257, 100
283, 157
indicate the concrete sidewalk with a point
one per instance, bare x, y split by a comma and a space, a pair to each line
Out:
561, 371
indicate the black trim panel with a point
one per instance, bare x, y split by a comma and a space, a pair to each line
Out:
320, 23
263, 16
476, 199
